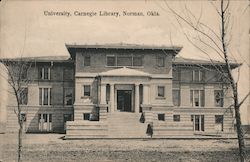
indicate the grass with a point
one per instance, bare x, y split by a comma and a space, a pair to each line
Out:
50, 147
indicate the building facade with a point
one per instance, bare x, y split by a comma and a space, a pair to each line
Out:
126, 91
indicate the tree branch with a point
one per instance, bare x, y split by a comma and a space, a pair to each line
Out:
243, 100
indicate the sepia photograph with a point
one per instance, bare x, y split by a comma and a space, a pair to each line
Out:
123, 80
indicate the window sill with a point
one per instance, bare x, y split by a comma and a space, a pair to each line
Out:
198, 80
46, 105
136, 67
160, 98
219, 106
68, 105
85, 97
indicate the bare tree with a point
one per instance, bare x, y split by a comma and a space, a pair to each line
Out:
18, 79
217, 41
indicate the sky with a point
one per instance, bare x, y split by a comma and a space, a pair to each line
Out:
26, 31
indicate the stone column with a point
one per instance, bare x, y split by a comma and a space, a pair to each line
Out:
145, 94
112, 98
146, 107
103, 94
103, 103
137, 102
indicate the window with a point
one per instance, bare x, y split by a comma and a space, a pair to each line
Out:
177, 118
160, 61
161, 117
68, 74
45, 122
44, 96
23, 70
219, 122
24, 74
86, 116
220, 77
218, 98
68, 96
44, 73
137, 61
24, 96
176, 75
111, 61
197, 98
124, 60
198, 75
86, 90
176, 97
161, 91
86, 60
23, 117
198, 122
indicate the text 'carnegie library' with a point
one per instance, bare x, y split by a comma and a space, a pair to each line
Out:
100, 13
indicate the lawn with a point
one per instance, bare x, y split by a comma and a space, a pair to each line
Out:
50, 147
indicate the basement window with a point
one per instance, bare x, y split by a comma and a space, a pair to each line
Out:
177, 118
23, 117
161, 117
86, 116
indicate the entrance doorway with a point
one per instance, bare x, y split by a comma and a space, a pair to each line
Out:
124, 100
198, 122
45, 122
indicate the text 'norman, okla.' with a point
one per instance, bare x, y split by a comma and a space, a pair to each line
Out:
101, 13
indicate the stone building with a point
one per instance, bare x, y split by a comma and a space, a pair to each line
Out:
119, 91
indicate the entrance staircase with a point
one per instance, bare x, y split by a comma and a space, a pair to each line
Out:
125, 125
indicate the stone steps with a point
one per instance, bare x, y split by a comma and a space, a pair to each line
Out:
125, 125
161, 130
86, 129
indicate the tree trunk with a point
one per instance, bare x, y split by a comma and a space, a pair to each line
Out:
19, 151
20, 130
242, 149
240, 133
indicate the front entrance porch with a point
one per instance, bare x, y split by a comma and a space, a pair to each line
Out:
123, 97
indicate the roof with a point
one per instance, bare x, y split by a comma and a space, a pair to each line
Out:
41, 59
176, 61
188, 61
124, 72
123, 46
74, 46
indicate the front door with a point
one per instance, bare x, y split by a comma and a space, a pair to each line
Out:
198, 122
124, 100
45, 122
